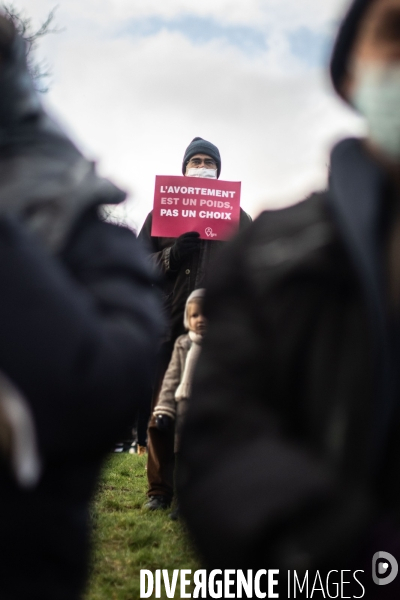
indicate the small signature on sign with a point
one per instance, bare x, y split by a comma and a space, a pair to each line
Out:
210, 233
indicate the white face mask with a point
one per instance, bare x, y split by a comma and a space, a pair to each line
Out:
377, 98
202, 172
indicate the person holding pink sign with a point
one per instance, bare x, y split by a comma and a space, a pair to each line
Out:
185, 263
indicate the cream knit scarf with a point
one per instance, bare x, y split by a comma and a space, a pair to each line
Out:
185, 387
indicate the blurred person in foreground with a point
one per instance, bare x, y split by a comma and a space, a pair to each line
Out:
291, 451
185, 264
78, 328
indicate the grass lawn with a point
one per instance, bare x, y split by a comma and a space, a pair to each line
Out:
128, 538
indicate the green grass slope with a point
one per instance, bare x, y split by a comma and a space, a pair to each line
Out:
128, 538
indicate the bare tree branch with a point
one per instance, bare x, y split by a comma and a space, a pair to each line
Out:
40, 71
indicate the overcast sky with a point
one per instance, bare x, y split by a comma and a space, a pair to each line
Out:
135, 80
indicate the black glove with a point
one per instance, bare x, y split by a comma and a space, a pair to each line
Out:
185, 245
163, 423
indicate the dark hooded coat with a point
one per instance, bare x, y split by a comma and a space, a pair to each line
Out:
290, 454
79, 322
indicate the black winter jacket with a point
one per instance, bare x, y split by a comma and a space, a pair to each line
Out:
291, 446
79, 322
191, 275
78, 335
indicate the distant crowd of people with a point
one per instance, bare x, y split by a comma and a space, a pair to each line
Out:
268, 365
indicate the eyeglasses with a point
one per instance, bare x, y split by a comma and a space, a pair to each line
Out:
198, 162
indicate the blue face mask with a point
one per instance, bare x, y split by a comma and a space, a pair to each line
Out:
377, 97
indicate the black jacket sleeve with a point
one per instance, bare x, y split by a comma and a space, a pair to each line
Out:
78, 333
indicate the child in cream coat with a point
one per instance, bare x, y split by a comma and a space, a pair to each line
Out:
177, 384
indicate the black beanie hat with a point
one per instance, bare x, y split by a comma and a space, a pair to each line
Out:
200, 146
345, 41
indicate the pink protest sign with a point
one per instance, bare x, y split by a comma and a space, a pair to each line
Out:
208, 206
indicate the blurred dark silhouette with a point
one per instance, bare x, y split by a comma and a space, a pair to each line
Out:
79, 321
290, 455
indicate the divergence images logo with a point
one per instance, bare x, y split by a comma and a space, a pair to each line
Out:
384, 568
